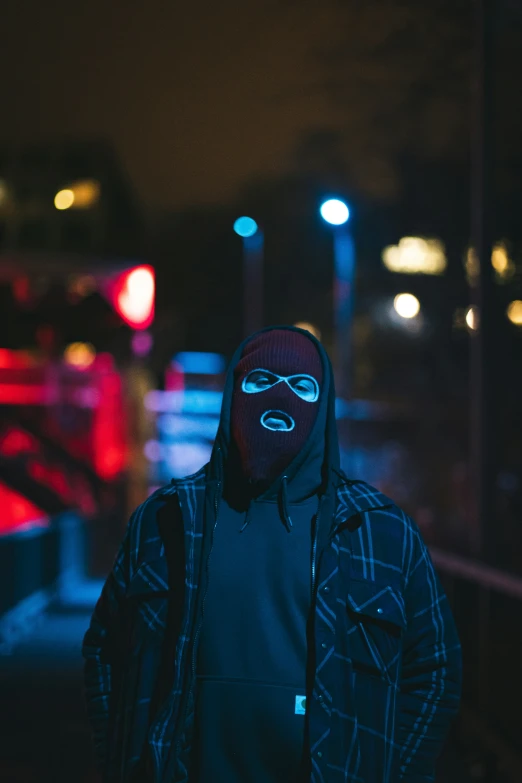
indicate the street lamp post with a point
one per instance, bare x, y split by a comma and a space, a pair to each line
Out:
336, 214
253, 258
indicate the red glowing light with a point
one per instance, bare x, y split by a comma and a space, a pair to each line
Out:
109, 430
15, 360
51, 477
15, 442
23, 394
133, 296
18, 512
174, 377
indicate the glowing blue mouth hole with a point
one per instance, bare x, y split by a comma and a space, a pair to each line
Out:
277, 421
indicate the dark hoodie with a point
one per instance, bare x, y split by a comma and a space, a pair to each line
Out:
252, 661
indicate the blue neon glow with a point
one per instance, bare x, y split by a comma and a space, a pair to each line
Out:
200, 363
187, 426
245, 227
183, 459
335, 212
188, 401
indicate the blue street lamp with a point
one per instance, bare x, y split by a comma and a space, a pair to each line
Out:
253, 251
245, 227
336, 213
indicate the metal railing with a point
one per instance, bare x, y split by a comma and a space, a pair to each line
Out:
487, 605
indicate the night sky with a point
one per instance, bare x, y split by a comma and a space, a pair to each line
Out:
188, 92
202, 98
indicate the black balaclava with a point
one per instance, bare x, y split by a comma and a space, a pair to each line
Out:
277, 384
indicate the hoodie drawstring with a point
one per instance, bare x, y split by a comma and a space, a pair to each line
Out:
248, 517
284, 505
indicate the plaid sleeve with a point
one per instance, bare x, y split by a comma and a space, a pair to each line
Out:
100, 646
431, 669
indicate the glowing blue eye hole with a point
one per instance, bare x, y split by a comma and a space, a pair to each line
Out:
305, 386
258, 381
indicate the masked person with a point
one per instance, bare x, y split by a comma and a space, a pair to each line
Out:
268, 620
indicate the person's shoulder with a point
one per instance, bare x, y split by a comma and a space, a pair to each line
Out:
363, 497
174, 486
147, 510
389, 536
197, 479
155, 498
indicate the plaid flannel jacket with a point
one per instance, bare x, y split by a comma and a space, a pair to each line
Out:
387, 655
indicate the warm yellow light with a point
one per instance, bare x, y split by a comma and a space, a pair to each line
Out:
472, 318
499, 259
86, 193
79, 355
502, 264
64, 199
514, 312
309, 328
3, 192
78, 195
406, 305
416, 256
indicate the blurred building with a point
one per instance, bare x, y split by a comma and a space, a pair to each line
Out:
65, 197
73, 291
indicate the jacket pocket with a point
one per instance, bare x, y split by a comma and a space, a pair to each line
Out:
376, 621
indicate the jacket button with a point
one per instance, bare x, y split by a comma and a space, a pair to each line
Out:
320, 699
326, 589
324, 645
379, 610
319, 754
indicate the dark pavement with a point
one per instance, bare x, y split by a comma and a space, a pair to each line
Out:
44, 735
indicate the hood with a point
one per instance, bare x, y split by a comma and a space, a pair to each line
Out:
314, 466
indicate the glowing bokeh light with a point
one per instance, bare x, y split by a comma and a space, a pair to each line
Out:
18, 512
64, 199
86, 193
153, 451
78, 195
514, 312
135, 298
245, 227
472, 318
79, 355
501, 262
308, 327
416, 256
200, 363
406, 305
335, 212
